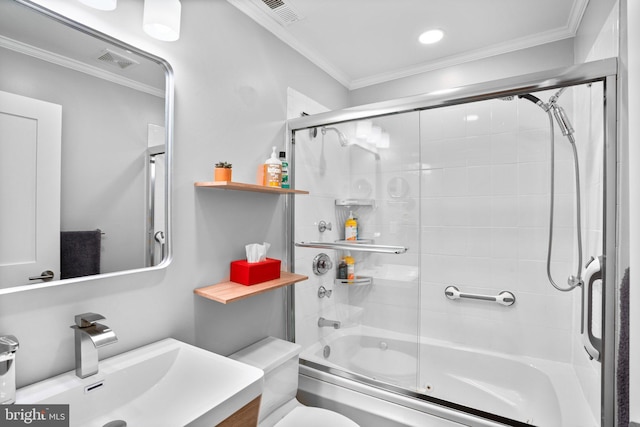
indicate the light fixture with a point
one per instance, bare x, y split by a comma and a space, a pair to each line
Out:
100, 4
161, 19
431, 36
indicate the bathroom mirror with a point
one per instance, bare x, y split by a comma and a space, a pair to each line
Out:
85, 152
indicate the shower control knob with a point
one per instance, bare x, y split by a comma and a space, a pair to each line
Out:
321, 264
324, 292
324, 226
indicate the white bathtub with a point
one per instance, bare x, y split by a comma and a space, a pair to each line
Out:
528, 390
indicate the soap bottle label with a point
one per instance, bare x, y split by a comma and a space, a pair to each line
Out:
273, 175
284, 180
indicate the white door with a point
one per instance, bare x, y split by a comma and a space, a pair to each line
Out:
30, 142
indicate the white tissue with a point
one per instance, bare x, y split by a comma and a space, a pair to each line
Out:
257, 252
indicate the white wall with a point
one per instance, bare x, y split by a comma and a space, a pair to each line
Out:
231, 78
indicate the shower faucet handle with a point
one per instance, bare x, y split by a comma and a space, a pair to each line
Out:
324, 226
324, 292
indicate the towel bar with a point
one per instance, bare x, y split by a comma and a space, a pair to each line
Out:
503, 298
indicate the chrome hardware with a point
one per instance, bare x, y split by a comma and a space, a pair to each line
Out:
354, 246
159, 237
326, 351
89, 336
324, 292
45, 276
8, 346
505, 298
324, 226
592, 345
321, 264
322, 322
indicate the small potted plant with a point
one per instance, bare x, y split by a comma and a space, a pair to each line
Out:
222, 172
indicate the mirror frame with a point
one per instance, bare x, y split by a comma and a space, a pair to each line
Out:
169, 109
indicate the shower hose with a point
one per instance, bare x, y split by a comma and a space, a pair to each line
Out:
573, 281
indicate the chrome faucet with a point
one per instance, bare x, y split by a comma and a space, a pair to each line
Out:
326, 322
8, 347
89, 336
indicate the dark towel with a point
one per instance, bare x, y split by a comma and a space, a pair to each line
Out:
623, 353
79, 253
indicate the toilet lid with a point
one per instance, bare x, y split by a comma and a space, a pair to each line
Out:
314, 417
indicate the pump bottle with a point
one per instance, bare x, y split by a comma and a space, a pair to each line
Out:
273, 170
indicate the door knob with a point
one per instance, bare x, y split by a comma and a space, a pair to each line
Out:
45, 276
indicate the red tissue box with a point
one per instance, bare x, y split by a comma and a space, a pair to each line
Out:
247, 273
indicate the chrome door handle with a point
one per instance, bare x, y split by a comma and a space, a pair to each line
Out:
45, 275
591, 343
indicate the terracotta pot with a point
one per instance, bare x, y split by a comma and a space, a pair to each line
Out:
222, 174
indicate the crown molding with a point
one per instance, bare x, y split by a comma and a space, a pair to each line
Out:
75, 65
262, 18
453, 60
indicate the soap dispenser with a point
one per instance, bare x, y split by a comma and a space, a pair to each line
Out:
8, 347
273, 170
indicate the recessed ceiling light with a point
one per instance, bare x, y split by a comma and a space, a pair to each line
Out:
431, 36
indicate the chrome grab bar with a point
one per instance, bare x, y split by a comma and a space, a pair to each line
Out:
505, 298
360, 247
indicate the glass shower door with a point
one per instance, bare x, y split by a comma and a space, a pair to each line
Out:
485, 220
368, 170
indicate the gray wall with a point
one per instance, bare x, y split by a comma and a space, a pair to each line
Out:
231, 80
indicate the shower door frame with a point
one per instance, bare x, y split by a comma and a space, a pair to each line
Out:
604, 71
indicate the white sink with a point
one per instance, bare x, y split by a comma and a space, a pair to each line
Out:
167, 383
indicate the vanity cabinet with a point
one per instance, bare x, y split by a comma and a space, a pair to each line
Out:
247, 416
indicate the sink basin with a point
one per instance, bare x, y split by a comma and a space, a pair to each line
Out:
167, 383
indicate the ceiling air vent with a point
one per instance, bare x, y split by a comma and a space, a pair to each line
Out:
283, 12
112, 58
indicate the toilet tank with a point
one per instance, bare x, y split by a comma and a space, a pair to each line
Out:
279, 361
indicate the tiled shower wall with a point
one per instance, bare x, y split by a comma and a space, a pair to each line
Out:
485, 186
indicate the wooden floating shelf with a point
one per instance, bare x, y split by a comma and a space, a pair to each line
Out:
239, 186
228, 291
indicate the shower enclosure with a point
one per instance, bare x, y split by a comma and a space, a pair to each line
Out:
451, 304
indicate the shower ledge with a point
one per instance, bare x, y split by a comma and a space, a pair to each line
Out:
239, 186
228, 291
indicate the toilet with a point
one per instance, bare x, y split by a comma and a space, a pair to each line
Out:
279, 406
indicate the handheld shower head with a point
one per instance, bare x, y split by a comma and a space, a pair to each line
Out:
563, 122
